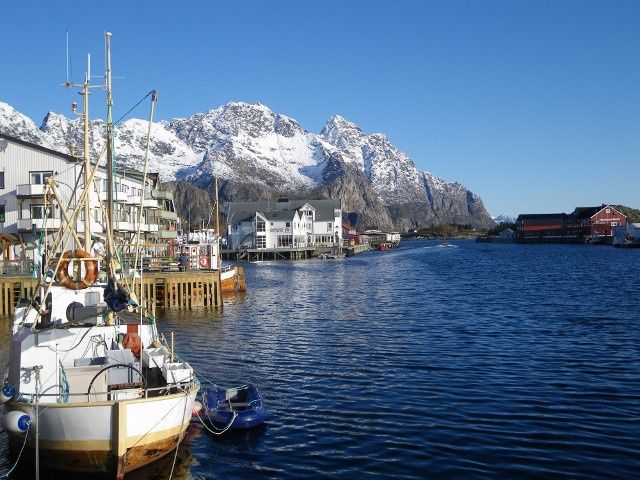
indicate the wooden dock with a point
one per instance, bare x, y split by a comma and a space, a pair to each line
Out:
284, 253
181, 290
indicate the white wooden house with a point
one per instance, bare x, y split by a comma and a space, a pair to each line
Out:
284, 224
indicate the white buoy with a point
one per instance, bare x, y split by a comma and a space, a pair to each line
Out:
7, 394
16, 422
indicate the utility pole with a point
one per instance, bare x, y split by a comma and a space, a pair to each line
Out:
109, 136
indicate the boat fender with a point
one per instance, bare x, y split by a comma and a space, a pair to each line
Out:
7, 394
16, 422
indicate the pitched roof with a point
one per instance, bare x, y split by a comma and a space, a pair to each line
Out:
588, 212
541, 218
280, 210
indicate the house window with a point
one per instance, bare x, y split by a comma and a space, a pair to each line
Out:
261, 227
261, 242
2, 213
40, 178
287, 224
329, 227
105, 185
284, 240
37, 212
1, 180
608, 210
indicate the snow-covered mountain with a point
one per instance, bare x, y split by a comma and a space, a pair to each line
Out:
257, 152
504, 218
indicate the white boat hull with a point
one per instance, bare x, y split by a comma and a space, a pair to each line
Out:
108, 437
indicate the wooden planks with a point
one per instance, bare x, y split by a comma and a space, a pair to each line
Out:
12, 289
181, 290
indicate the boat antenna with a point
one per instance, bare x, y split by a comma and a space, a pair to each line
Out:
68, 62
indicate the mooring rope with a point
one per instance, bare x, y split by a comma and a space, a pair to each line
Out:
235, 414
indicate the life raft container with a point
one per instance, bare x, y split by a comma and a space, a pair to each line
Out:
91, 270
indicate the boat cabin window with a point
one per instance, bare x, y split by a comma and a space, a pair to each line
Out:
2, 213
40, 178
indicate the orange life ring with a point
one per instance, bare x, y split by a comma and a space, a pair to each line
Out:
91, 267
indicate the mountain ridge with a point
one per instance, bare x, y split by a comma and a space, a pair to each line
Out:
257, 152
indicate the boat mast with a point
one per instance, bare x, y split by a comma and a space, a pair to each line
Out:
85, 112
217, 222
109, 138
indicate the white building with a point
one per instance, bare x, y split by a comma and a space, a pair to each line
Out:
284, 224
25, 213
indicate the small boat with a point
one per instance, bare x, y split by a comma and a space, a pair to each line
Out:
383, 247
234, 408
331, 256
232, 279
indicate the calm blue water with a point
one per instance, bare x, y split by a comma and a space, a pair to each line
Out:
481, 361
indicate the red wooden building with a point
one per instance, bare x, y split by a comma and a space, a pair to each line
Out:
582, 223
596, 220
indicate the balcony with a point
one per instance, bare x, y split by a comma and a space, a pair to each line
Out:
147, 203
121, 197
167, 234
162, 194
166, 215
30, 190
27, 224
145, 227
124, 227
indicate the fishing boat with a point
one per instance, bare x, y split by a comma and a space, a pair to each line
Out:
332, 256
91, 386
201, 251
235, 408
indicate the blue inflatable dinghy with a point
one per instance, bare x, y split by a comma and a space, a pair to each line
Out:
220, 405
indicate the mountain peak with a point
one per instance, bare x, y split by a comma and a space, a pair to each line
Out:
249, 145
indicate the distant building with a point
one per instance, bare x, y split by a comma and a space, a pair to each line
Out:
596, 220
507, 234
530, 226
626, 235
284, 224
348, 230
582, 223
25, 213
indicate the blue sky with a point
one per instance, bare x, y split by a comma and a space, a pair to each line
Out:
534, 105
